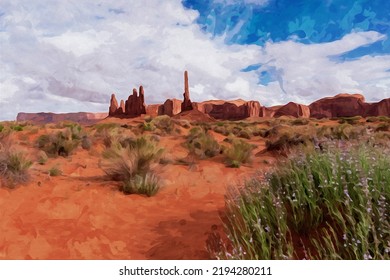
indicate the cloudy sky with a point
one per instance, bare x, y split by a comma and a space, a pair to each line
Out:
69, 56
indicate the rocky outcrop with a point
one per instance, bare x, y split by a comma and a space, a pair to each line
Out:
268, 112
341, 105
43, 118
229, 110
381, 108
121, 109
253, 108
186, 105
135, 104
294, 110
170, 107
112, 110
152, 110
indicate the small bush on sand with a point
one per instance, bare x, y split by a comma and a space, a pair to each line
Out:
350, 120
61, 143
286, 142
330, 205
131, 162
238, 153
147, 184
86, 143
163, 123
55, 171
42, 157
14, 164
202, 143
300, 122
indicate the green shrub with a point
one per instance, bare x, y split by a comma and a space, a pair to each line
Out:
350, 120
123, 163
1, 127
86, 143
238, 153
61, 143
163, 123
286, 142
331, 205
202, 143
300, 122
55, 171
14, 165
146, 184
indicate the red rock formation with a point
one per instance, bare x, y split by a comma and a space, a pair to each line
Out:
229, 110
381, 108
135, 104
112, 110
253, 108
268, 112
341, 105
43, 118
187, 104
294, 110
141, 104
170, 107
152, 110
194, 115
121, 109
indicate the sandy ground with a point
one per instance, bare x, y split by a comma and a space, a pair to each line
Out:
82, 215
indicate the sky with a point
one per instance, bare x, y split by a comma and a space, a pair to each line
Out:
70, 56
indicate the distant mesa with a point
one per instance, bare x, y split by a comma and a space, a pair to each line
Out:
43, 118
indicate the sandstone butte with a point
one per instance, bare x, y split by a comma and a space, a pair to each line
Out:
341, 105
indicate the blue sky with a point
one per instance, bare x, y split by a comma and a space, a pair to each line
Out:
67, 56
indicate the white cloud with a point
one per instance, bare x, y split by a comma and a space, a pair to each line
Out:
310, 72
82, 51
64, 56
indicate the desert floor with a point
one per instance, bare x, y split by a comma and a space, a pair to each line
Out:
81, 214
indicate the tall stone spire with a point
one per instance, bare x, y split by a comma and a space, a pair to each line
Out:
186, 105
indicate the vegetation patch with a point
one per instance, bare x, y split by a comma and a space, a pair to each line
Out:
238, 153
321, 205
14, 164
131, 162
202, 143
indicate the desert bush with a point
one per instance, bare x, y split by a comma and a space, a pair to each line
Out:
202, 143
1, 127
86, 142
55, 171
14, 164
123, 163
286, 142
42, 157
330, 205
350, 120
61, 143
147, 184
163, 123
105, 126
300, 122
383, 127
238, 153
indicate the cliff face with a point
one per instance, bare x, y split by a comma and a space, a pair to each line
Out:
170, 107
341, 105
294, 110
229, 110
